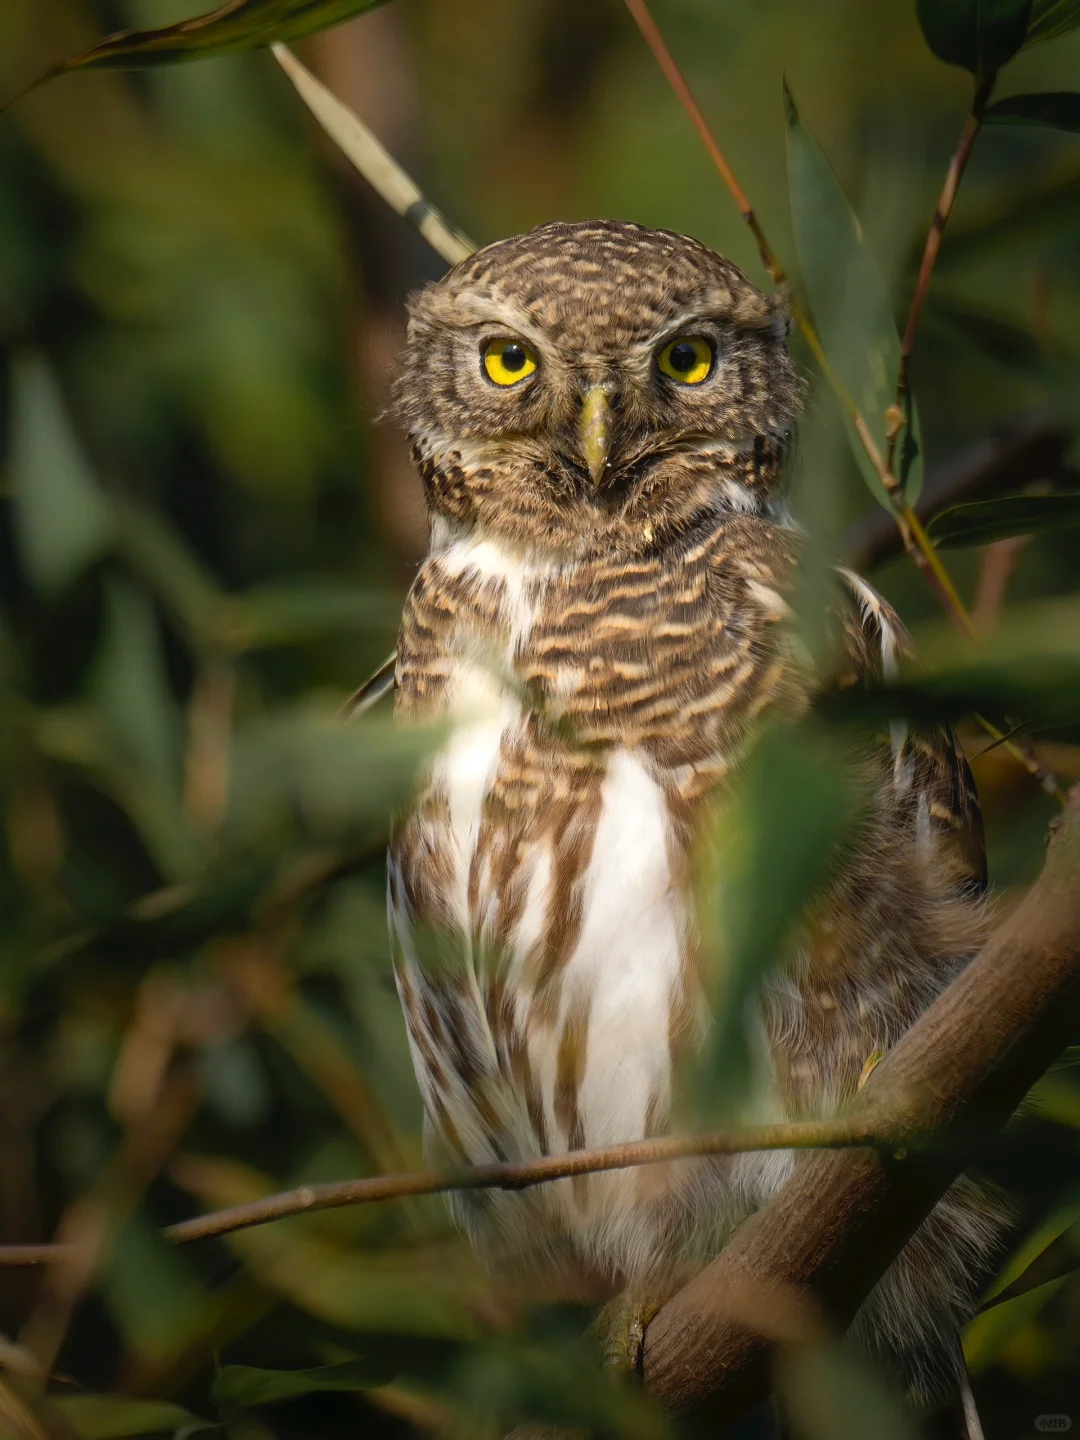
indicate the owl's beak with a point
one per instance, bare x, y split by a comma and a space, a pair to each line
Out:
595, 429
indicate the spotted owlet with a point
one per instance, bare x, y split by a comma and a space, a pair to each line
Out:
600, 415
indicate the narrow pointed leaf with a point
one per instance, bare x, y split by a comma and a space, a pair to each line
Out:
1051, 19
239, 1386
1057, 109
1060, 1258
771, 863
234, 25
374, 161
62, 521
850, 301
978, 35
984, 521
115, 1417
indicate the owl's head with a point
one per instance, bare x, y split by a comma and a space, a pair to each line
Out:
586, 377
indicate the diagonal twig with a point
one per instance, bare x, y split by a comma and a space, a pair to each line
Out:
511, 1175
374, 161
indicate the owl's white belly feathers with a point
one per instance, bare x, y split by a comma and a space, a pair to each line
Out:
616, 990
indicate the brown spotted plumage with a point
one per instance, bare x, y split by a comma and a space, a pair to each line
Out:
603, 617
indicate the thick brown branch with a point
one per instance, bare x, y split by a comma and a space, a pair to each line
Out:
841, 1219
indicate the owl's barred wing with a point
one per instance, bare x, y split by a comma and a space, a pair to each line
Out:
930, 771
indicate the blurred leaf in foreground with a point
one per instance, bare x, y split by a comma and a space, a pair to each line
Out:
792, 810
1060, 1258
828, 1395
984, 521
991, 1330
1052, 18
1058, 109
115, 1417
314, 771
63, 522
235, 25
978, 35
244, 1385
849, 299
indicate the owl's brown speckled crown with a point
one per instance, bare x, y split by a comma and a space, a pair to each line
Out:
610, 284
595, 303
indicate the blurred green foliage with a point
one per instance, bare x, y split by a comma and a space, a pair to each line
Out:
204, 544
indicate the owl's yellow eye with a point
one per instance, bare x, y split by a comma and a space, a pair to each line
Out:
689, 359
508, 361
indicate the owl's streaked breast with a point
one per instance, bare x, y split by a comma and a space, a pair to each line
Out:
539, 890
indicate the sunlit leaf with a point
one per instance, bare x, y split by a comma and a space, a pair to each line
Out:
977, 35
984, 521
115, 1417
235, 25
1060, 1258
1058, 109
1051, 18
993, 1328
63, 522
849, 299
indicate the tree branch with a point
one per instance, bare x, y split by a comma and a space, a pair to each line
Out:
506, 1176
841, 1219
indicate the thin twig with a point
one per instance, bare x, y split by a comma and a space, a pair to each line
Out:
675, 78
955, 173
375, 164
510, 1175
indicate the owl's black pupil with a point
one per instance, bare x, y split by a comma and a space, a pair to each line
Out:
683, 358
513, 358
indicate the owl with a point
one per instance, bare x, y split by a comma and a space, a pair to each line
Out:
600, 414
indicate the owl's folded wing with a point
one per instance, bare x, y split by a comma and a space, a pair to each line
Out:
930, 771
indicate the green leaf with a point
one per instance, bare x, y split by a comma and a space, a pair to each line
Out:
170, 571
1058, 109
63, 522
1060, 1258
984, 521
978, 35
831, 1396
240, 1386
995, 1325
849, 298
113, 1417
130, 688
771, 861
234, 25
313, 771
285, 614
1052, 18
